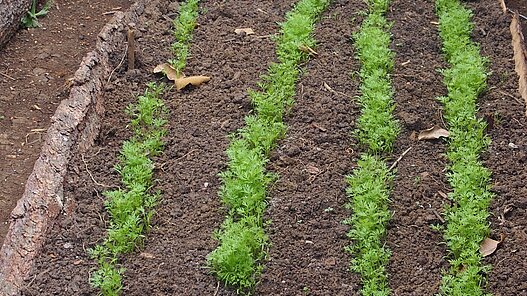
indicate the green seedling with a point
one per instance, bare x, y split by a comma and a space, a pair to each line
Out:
184, 25
466, 218
131, 208
368, 186
30, 20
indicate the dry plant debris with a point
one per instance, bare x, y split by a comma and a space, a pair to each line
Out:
433, 133
180, 80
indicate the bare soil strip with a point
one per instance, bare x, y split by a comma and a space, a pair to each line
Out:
503, 108
417, 203
308, 237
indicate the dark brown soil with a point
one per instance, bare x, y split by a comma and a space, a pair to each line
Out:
195, 152
507, 155
200, 121
306, 205
417, 260
34, 70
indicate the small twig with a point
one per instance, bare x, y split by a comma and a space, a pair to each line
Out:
120, 63
520, 15
131, 47
98, 151
110, 12
38, 131
509, 95
438, 216
7, 76
91, 176
39, 275
192, 150
328, 88
394, 164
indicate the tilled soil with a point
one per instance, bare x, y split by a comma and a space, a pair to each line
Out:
416, 202
200, 121
507, 155
306, 207
306, 204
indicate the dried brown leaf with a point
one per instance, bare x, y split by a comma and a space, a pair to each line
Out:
489, 246
194, 80
247, 31
432, 133
168, 70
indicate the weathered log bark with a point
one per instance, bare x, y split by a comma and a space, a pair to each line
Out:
11, 13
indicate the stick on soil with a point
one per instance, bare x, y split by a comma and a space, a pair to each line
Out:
131, 47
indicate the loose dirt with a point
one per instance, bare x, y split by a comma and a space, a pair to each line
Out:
306, 207
34, 70
507, 155
416, 202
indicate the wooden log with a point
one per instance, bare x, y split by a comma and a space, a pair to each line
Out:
11, 13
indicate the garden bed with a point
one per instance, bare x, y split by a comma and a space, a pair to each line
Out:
306, 204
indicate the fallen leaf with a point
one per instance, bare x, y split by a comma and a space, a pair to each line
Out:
168, 70
432, 133
489, 246
179, 79
247, 31
194, 80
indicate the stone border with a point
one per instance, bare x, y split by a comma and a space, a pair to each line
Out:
74, 126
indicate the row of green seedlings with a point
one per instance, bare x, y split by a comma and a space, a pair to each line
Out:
131, 209
369, 185
467, 215
243, 244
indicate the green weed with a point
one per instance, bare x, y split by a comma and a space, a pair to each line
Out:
242, 242
30, 20
467, 217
